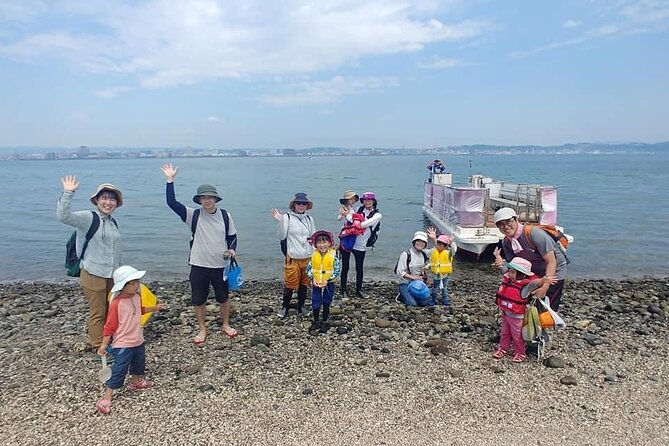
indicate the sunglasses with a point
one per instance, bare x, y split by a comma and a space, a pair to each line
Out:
301, 203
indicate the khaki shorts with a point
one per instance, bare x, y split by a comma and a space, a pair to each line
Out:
295, 273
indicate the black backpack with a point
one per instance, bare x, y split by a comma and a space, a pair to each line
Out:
196, 217
408, 251
374, 236
72, 261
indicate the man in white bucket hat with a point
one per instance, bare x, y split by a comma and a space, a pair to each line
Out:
542, 251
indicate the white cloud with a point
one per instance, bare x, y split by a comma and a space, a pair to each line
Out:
326, 92
438, 64
646, 10
111, 92
571, 24
214, 119
164, 43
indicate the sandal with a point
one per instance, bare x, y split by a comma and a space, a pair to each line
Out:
499, 353
229, 332
103, 406
199, 340
519, 357
141, 385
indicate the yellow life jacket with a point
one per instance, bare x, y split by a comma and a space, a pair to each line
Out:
441, 262
322, 266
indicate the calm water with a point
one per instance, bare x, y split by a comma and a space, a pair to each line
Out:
614, 205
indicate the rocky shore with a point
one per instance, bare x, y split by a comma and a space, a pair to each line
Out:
382, 375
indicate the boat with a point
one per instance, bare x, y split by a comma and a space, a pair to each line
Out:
466, 212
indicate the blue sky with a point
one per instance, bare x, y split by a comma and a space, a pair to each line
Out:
346, 73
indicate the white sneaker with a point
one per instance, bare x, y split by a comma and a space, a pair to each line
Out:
283, 312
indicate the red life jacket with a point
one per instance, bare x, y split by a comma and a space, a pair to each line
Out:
509, 297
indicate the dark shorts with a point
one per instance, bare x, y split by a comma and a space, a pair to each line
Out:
126, 358
201, 278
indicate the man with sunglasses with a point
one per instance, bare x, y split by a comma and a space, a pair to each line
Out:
542, 251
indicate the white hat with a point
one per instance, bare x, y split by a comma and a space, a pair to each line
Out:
522, 265
123, 275
419, 235
504, 214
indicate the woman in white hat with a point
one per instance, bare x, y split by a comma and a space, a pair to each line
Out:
411, 267
101, 255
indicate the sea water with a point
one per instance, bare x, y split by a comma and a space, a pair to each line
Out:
615, 206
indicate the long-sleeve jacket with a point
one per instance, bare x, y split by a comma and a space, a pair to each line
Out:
103, 254
296, 229
211, 239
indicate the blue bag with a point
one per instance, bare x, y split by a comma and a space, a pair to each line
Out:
235, 276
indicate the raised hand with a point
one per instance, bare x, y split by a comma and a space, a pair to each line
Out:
170, 172
431, 232
276, 214
499, 261
70, 183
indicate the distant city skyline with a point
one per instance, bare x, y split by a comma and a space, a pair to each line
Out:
300, 74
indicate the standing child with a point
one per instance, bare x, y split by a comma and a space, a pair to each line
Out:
513, 295
123, 327
441, 265
323, 269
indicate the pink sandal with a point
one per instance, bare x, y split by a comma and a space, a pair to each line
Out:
499, 354
519, 357
103, 406
141, 385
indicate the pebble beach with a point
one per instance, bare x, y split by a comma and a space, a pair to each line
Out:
382, 375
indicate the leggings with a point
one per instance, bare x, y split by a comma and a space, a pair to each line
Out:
359, 263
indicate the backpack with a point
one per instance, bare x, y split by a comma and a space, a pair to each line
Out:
196, 217
552, 231
408, 251
374, 235
284, 242
72, 261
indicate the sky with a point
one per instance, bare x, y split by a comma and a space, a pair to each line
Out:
335, 73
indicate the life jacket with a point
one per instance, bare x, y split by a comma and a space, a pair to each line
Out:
509, 296
440, 262
322, 266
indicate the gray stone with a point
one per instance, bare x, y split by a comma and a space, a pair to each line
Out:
568, 380
554, 362
260, 340
382, 323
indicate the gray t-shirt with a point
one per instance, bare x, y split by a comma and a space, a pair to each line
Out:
209, 243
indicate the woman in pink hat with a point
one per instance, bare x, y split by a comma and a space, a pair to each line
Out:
371, 225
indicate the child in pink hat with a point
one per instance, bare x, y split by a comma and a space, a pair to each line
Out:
513, 296
440, 265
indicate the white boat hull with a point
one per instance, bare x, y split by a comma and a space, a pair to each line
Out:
474, 240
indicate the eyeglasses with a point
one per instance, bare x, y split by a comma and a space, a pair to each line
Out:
206, 197
506, 222
301, 203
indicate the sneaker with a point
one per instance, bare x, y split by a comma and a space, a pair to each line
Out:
302, 311
344, 294
283, 312
325, 327
141, 385
445, 302
360, 295
315, 326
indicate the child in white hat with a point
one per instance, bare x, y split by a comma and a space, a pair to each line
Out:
123, 327
513, 296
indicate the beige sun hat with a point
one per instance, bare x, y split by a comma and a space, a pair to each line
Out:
107, 187
347, 196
